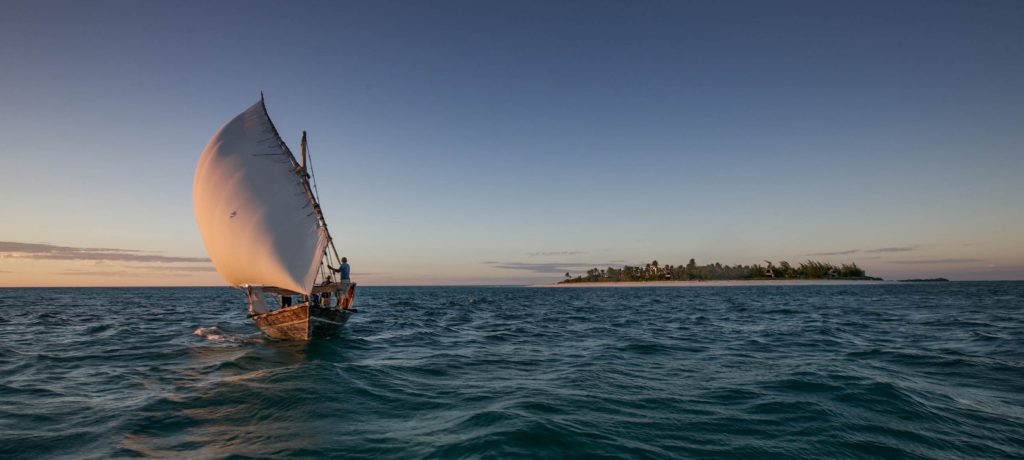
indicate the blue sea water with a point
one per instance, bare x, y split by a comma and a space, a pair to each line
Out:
859, 371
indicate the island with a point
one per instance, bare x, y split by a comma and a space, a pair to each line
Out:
655, 272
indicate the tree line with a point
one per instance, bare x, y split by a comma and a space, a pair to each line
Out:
811, 269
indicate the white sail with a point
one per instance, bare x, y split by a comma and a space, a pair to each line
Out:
257, 221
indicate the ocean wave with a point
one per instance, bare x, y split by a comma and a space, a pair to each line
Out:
787, 372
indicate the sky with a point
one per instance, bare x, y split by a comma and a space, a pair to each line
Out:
509, 142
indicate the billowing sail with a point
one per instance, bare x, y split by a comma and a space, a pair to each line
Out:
258, 223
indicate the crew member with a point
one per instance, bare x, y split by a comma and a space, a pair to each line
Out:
343, 269
345, 284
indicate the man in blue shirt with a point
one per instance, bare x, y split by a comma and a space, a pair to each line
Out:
343, 269
344, 287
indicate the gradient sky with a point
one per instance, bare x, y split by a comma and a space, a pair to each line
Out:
507, 142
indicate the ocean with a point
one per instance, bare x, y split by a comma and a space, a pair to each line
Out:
929, 370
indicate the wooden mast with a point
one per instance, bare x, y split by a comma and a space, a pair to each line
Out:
312, 197
303, 162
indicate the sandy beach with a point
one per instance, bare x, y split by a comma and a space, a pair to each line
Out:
713, 283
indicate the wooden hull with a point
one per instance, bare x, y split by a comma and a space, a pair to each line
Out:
302, 322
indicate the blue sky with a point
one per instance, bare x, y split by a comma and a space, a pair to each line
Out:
502, 142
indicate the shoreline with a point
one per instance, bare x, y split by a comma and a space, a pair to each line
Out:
688, 283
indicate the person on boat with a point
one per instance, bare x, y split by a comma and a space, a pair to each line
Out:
343, 269
346, 280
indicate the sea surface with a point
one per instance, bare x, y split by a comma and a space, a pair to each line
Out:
929, 370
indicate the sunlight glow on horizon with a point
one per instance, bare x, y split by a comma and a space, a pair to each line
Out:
23, 270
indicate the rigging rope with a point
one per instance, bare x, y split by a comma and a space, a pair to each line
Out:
316, 192
312, 174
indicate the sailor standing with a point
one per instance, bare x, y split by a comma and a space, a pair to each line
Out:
346, 280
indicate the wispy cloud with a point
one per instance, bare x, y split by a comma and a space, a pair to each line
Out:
171, 268
12, 246
836, 253
892, 249
41, 251
868, 251
547, 267
557, 253
119, 273
6, 271
935, 261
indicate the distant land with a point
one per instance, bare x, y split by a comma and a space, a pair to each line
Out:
925, 280
655, 272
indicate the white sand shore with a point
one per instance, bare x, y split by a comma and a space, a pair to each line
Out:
715, 283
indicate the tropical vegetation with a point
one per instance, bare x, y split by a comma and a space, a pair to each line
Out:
654, 271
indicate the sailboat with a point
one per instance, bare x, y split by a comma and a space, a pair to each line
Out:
260, 219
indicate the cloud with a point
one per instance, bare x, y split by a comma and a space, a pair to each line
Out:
870, 251
557, 253
892, 249
40, 251
118, 273
935, 261
12, 246
548, 267
166, 268
837, 253
6, 271
146, 271
515, 279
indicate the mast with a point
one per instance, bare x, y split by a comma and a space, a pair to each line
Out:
303, 162
304, 173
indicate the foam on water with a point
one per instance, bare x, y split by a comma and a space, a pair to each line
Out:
214, 333
910, 371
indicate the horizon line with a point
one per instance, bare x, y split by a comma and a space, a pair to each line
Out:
415, 285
